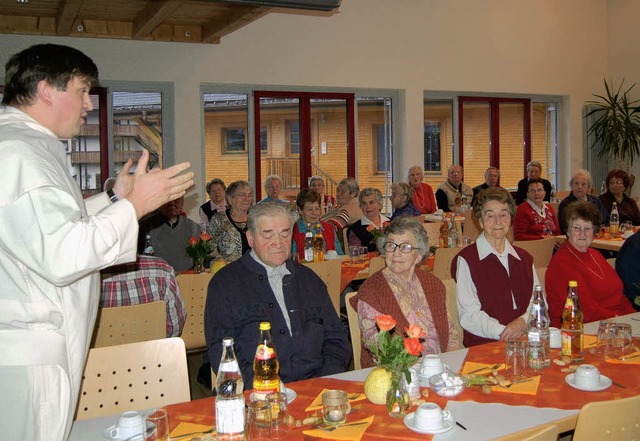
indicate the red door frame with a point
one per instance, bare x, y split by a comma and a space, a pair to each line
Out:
304, 110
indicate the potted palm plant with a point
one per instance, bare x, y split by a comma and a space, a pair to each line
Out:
616, 126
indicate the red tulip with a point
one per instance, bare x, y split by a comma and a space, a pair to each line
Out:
205, 237
385, 322
413, 346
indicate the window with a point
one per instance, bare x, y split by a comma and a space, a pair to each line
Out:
438, 135
381, 162
294, 137
235, 140
432, 146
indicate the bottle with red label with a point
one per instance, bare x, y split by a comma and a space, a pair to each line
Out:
265, 365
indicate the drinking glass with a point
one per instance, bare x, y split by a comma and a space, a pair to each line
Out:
354, 253
258, 421
279, 415
364, 254
623, 340
160, 419
606, 338
335, 406
515, 359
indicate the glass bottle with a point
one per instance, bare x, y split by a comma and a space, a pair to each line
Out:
538, 330
148, 247
572, 327
230, 414
329, 205
318, 245
308, 244
265, 365
444, 233
454, 239
614, 221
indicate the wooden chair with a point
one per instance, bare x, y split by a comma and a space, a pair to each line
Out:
617, 420
612, 261
561, 194
329, 271
433, 231
542, 272
133, 376
354, 330
376, 264
471, 226
193, 289
546, 433
452, 305
541, 250
345, 241
129, 324
442, 262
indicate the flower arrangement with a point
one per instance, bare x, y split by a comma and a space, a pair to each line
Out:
199, 248
396, 353
376, 232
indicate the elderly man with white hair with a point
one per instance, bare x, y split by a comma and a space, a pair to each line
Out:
581, 185
449, 194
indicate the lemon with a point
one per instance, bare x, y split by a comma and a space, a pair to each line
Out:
377, 385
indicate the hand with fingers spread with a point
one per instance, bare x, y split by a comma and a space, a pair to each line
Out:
149, 190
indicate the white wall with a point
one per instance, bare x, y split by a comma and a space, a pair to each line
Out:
500, 46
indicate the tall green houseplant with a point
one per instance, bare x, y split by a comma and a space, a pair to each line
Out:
616, 126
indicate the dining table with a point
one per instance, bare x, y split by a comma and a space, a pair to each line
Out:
602, 243
546, 398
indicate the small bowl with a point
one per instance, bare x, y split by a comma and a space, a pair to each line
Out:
447, 384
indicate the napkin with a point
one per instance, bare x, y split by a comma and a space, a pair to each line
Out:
317, 402
529, 387
347, 433
184, 428
471, 366
590, 341
634, 360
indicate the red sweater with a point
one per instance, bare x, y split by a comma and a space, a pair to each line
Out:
424, 200
599, 288
528, 225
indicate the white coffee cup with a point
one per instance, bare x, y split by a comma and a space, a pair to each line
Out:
555, 338
431, 365
129, 425
429, 416
587, 376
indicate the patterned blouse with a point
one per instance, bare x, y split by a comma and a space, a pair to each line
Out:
230, 237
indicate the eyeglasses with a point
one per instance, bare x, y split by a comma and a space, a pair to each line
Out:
578, 229
404, 247
612, 182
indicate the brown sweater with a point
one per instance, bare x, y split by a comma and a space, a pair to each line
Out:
376, 292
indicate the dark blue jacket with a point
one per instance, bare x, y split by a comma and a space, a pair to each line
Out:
240, 297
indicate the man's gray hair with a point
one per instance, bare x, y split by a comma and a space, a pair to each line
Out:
266, 209
534, 164
486, 172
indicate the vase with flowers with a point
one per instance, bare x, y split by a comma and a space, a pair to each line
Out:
393, 355
199, 248
376, 232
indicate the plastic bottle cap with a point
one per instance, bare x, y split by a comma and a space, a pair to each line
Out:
265, 326
573, 283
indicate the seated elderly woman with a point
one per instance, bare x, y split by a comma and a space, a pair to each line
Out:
581, 185
402, 200
327, 202
535, 218
617, 182
600, 289
360, 232
494, 279
273, 187
308, 203
348, 211
409, 294
228, 228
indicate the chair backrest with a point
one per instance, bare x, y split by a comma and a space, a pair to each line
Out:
546, 433
442, 262
452, 306
354, 331
133, 376
193, 289
541, 250
612, 261
329, 271
376, 264
129, 324
433, 231
542, 272
561, 194
617, 420
345, 241
471, 226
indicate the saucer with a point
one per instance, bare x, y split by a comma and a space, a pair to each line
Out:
448, 424
605, 383
290, 393
106, 434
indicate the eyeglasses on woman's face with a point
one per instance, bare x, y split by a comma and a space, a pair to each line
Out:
404, 247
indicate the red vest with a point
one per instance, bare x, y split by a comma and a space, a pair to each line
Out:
328, 232
494, 286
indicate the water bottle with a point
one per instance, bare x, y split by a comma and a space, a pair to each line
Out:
308, 244
329, 204
538, 331
454, 238
148, 247
614, 221
230, 414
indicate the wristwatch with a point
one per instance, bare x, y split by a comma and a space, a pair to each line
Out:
112, 195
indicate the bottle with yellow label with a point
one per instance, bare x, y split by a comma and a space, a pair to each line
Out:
265, 365
572, 325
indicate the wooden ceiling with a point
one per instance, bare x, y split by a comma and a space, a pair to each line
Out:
187, 21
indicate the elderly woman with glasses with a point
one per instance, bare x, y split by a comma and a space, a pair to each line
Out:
581, 185
409, 294
600, 289
535, 218
494, 279
617, 182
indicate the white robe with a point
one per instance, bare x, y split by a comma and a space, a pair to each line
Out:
51, 248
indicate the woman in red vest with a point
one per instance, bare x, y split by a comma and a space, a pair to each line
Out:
409, 294
494, 279
308, 203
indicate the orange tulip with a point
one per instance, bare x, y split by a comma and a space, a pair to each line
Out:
193, 241
413, 346
205, 237
385, 322
414, 331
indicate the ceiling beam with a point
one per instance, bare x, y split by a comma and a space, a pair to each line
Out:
152, 16
231, 21
67, 13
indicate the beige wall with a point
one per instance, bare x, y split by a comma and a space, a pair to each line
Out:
498, 46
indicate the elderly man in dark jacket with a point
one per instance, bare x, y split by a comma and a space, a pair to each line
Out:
265, 285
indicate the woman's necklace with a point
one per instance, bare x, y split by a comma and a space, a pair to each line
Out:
601, 275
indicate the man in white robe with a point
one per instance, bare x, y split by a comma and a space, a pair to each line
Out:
52, 242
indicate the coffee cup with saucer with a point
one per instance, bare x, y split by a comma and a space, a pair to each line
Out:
588, 378
429, 418
130, 426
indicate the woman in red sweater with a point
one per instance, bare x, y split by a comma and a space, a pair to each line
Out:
599, 287
423, 196
535, 219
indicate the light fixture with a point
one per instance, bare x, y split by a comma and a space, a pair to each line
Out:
22, 1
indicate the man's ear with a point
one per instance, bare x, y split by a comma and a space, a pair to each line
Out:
45, 92
250, 238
